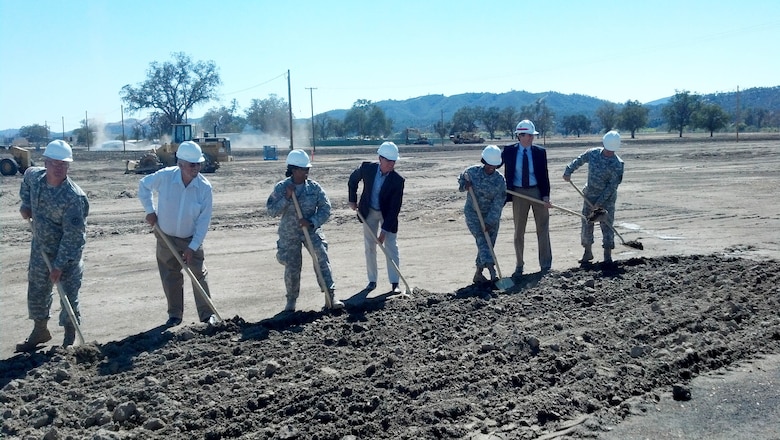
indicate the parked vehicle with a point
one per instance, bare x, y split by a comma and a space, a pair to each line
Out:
466, 138
17, 159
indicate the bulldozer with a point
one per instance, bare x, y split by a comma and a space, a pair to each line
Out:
466, 138
216, 150
419, 139
17, 159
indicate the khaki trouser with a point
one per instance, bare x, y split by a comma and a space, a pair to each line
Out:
173, 279
374, 221
520, 208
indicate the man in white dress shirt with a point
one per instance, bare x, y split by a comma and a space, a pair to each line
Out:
183, 213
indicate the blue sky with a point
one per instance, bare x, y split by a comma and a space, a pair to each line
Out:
67, 59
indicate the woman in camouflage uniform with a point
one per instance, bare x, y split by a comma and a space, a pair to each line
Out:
605, 173
315, 207
489, 187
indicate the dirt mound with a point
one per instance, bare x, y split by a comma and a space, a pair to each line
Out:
567, 353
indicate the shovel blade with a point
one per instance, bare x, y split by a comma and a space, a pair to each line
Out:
504, 283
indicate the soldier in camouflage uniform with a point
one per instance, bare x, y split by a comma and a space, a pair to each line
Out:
605, 173
489, 188
315, 207
58, 209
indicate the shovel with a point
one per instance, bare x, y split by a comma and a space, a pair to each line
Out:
541, 202
632, 244
387, 256
502, 283
63, 297
310, 247
195, 282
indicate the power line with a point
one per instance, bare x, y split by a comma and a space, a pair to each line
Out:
257, 85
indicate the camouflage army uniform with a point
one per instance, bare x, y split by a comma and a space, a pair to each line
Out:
315, 207
59, 217
604, 176
490, 190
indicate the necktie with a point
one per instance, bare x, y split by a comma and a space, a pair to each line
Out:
526, 179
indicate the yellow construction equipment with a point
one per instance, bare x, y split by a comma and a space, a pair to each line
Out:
216, 150
16, 160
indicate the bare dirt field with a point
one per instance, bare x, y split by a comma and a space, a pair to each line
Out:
574, 353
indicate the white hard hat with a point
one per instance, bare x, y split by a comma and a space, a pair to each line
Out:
492, 155
190, 151
388, 150
58, 150
611, 140
298, 158
525, 127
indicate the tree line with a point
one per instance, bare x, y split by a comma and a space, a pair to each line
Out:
173, 88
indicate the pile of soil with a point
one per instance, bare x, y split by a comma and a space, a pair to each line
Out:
564, 354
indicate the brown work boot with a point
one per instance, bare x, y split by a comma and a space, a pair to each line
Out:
70, 335
607, 255
39, 335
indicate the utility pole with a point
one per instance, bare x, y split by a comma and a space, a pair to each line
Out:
737, 113
122, 111
63, 128
442, 127
289, 108
311, 98
86, 126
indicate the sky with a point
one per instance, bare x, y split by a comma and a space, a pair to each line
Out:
63, 61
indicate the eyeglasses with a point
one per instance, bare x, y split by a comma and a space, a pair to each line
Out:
57, 164
191, 165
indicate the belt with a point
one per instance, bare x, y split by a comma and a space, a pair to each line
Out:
526, 187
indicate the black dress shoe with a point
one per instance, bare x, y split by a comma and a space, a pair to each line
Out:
370, 287
172, 322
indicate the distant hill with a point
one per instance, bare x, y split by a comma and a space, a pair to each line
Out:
424, 111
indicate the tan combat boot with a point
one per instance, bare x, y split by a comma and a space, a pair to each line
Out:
70, 335
587, 255
478, 277
39, 335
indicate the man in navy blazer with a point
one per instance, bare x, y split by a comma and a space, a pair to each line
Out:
380, 204
535, 183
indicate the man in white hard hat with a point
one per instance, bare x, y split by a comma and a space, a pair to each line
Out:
526, 174
183, 213
605, 173
380, 204
489, 188
58, 209
315, 211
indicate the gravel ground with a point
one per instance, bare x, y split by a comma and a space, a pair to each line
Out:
567, 354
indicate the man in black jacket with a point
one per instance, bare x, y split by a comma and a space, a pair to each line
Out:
380, 204
526, 173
